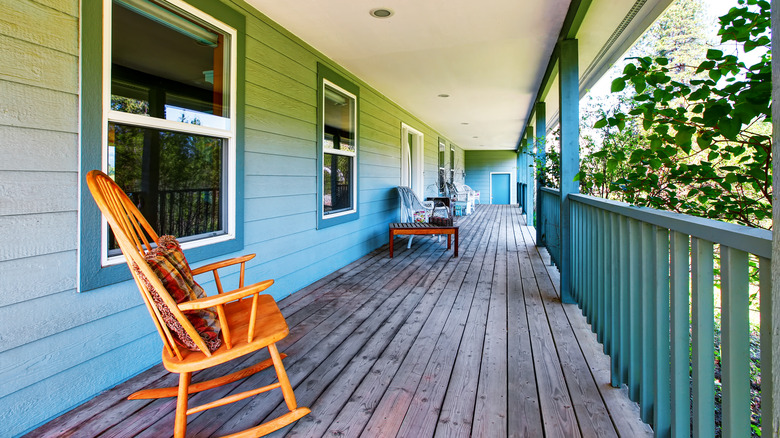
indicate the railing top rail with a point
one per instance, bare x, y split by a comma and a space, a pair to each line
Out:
752, 240
550, 191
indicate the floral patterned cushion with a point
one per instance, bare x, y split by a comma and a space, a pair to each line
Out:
168, 263
420, 216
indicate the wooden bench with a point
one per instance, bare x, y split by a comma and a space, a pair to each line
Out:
413, 228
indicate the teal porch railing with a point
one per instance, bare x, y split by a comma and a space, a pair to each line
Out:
645, 280
550, 223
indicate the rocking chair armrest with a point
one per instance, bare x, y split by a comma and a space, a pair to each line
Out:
212, 301
223, 263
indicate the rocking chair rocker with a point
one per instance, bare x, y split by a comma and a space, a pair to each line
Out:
247, 325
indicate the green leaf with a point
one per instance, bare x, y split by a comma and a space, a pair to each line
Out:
600, 123
715, 75
618, 85
714, 54
703, 142
611, 165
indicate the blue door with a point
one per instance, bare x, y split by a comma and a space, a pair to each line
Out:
499, 183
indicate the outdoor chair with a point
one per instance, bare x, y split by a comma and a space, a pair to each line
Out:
462, 196
473, 193
189, 322
415, 210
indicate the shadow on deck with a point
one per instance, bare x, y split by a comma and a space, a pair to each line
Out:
420, 345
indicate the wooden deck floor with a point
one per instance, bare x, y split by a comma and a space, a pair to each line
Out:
421, 345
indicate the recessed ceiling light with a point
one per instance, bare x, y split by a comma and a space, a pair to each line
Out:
381, 13
444, 95
464, 123
476, 136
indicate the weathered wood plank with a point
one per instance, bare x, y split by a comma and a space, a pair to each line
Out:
389, 406
557, 410
592, 416
491, 409
524, 417
455, 342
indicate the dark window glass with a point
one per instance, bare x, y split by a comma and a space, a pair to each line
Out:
337, 183
168, 65
176, 179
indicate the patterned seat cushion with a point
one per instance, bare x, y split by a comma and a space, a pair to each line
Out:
168, 263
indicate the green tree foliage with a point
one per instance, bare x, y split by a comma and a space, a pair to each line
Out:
707, 140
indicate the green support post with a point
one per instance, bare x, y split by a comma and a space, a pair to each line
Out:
541, 131
569, 95
528, 173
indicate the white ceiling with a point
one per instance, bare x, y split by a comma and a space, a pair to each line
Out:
489, 56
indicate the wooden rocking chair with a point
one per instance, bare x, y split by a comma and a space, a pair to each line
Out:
247, 325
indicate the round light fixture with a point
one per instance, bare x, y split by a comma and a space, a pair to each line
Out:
444, 95
464, 123
381, 13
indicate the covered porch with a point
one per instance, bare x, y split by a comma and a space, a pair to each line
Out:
420, 345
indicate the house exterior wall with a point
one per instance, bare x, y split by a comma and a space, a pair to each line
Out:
479, 166
60, 346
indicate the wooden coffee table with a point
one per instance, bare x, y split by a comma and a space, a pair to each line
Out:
411, 228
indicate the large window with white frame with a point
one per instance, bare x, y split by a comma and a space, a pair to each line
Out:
169, 118
337, 149
162, 113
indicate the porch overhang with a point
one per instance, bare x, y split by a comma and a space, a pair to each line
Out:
494, 60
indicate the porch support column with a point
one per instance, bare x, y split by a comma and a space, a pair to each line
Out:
541, 131
528, 172
569, 95
770, 309
519, 173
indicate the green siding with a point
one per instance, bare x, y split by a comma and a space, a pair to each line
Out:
76, 344
479, 165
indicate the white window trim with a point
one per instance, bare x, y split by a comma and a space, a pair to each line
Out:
352, 210
417, 174
170, 125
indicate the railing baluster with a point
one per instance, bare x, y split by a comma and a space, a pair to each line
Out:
606, 292
662, 411
576, 235
635, 312
735, 346
648, 321
702, 338
593, 250
681, 394
614, 266
587, 289
769, 424
599, 271
625, 338
582, 231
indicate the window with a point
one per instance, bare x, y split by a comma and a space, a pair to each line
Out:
442, 163
452, 164
412, 160
169, 128
338, 149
